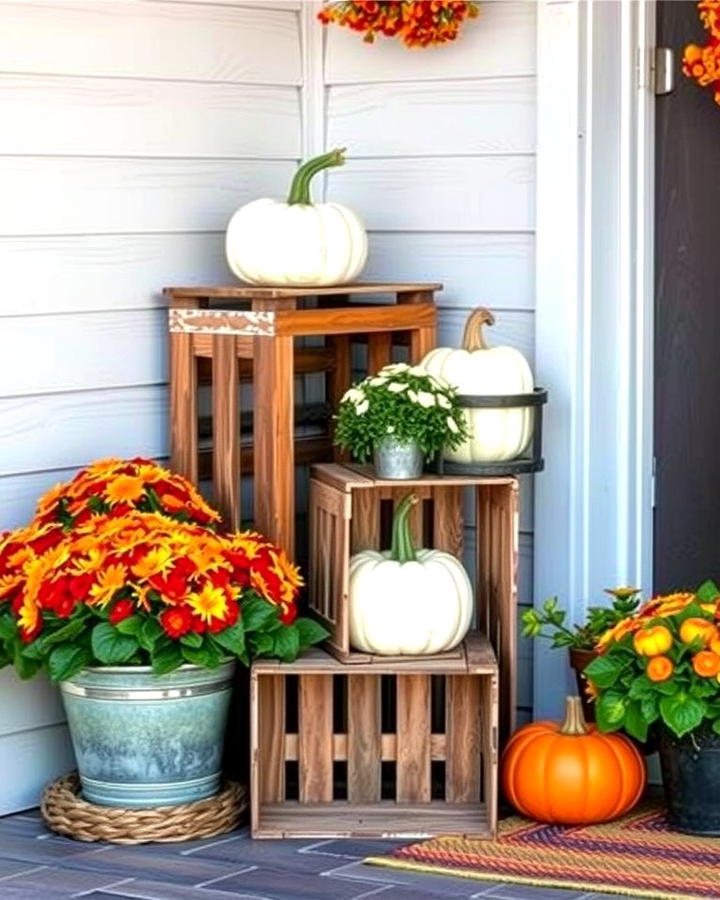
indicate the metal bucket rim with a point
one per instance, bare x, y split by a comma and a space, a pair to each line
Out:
148, 670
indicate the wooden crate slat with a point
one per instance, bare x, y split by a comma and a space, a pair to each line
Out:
364, 748
489, 740
448, 520
462, 769
183, 407
388, 747
413, 738
226, 431
315, 746
244, 291
365, 522
269, 761
329, 541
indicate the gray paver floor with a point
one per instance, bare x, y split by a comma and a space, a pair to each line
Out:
38, 865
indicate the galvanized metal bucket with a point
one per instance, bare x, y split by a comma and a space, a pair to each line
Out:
398, 460
144, 740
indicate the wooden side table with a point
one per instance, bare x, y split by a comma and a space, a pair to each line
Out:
244, 322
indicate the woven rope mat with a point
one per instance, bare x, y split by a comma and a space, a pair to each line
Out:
635, 856
65, 812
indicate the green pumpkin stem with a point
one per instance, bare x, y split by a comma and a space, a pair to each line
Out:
402, 549
300, 186
574, 723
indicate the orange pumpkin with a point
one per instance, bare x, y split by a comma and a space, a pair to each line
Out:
569, 774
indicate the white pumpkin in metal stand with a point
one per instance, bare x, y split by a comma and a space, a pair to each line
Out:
476, 368
406, 601
297, 242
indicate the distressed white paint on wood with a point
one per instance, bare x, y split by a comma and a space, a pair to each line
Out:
19, 495
30, 759
68, 430
494, 270
491, 193
443, 118
44, 195
84, 273
131, 117
99, 350
514, 329
500, 42
32, 704
151, 40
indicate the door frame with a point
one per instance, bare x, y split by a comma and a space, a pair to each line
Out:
594, 310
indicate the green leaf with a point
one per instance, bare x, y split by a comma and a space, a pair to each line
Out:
716, 726
640, 687
149, 633
682, 713
8, 628
261, 644
191, 639
635, 723
649, 709
205, 656
131, 625
603, 671
258, 614
110, 646
26, 668
166, 657
67, 660
232, 639
286, 644
310, 632
610, 711
707, 592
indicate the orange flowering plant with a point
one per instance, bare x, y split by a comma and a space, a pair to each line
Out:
131, 587
703, 63
661, 665
417, 24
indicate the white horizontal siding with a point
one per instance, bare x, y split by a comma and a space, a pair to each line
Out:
31, 759
500, 42
189, 42
90, 272
69, 195
54, 115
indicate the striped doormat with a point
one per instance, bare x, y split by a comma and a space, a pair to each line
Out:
636, 856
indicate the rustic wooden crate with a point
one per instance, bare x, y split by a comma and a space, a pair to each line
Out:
350, 510
373, 750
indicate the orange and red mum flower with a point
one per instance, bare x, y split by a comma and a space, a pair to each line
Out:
418, 24
703, 63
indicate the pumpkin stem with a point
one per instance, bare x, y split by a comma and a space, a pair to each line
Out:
402, 549
300, 186
574, 719
473, 337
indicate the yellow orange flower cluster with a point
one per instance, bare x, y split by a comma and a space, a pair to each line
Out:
417, 24
117, 486
703, 63
185, 575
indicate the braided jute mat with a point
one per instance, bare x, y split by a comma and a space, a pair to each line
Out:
636, 856
65, 812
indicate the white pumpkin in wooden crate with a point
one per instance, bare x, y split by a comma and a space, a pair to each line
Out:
297, 242
477, 369
408, 602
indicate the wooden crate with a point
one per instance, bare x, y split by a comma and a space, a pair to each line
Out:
350, 510
375, 751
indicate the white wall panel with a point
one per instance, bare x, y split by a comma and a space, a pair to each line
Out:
30, 759
33, 704
89, 272
65, 195
500, 42
483, 269
491, 193
151, 40
514, 329
44, 114
98, 350
19, 495
488, 116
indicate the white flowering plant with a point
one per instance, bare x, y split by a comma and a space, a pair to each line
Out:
402, 401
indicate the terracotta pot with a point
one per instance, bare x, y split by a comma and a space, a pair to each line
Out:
578, 660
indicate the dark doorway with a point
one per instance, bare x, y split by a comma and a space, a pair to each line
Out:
687, 319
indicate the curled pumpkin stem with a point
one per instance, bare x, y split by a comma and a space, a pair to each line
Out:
473, 337
402, 549
300, 186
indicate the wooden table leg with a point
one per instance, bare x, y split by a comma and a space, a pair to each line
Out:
274, 481
379, 350
226, 430
422, 341
183, 406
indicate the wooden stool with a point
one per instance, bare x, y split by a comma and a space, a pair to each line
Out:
228, 324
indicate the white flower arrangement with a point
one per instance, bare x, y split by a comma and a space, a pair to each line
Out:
403, 401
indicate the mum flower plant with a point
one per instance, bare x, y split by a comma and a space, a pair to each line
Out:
661, 665
95, 580
402, 401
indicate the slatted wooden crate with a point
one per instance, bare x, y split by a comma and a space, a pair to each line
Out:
381, 751
351, 510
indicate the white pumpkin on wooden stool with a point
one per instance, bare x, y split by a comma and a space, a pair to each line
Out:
475, 368
297, 242
408, 602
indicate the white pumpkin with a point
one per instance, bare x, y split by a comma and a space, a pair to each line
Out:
406, 601
297, 242
475, 368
